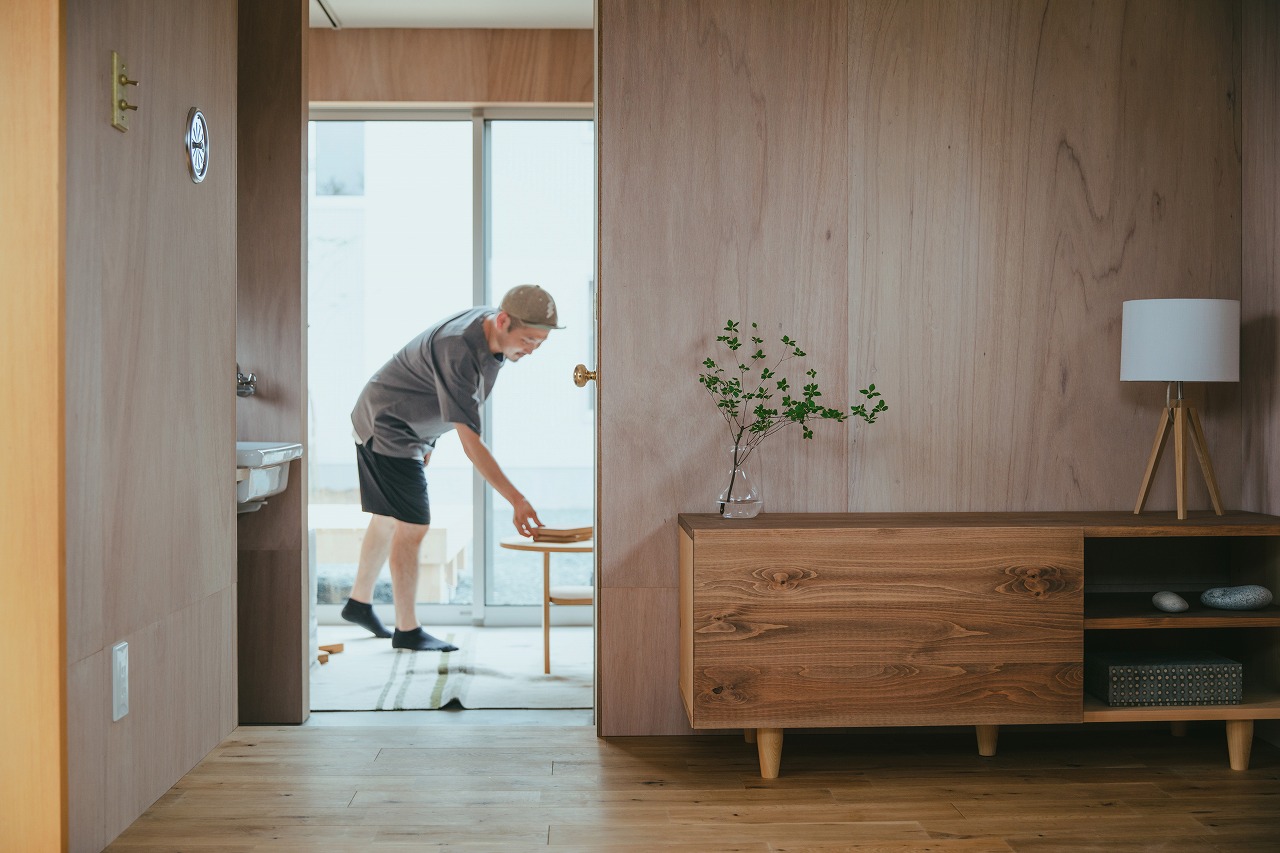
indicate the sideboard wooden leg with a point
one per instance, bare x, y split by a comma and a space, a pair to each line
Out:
1178, 728
769, 745
749, 735
1239, 743
987, 737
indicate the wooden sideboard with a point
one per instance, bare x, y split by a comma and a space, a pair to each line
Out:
983, 619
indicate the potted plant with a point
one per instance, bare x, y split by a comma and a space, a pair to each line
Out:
744, 394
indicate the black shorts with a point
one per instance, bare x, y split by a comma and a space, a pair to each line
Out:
392, 486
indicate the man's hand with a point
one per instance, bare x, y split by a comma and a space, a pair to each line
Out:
525, 518
524, 514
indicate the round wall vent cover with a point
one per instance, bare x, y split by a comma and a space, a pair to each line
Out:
197, 145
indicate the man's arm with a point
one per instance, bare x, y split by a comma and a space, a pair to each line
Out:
480, 456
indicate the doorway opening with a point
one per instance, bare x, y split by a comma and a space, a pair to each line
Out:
413, 216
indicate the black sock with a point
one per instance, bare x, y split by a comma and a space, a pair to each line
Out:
362, 614
419, 640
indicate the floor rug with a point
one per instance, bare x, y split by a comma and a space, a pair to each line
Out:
493, 668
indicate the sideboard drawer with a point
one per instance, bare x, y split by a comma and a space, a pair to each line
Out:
882, 626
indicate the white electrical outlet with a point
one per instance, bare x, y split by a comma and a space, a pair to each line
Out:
119, 680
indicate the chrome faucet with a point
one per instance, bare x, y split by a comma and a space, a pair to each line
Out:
246, 383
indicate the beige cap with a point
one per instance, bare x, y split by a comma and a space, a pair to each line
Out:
532, 306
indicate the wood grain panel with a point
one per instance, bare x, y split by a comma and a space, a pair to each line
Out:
150, 317
847, 592
829, 619
933, 632
484, 66
755, 232
637, 689
33, 764
273, 592
88, 444
271, 213
178, 681
88, 720
686, 621
1013, 173
1260, 266
784, 694
1020, 169
722, 195
149, 309
274, 637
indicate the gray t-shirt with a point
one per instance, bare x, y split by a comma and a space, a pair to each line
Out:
441, 377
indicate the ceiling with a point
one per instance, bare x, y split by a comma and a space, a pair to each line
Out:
463, 14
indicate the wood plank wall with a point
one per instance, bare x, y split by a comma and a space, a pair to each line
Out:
274, 587
1260, 276
33, 802
949, 200
150, 421
723, 186
486, 66
1260, 308
1022, 168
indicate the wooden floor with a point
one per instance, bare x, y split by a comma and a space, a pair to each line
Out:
378, 789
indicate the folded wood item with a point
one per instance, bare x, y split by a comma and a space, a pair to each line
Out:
561, 534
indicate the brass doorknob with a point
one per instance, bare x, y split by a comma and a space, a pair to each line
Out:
581, 376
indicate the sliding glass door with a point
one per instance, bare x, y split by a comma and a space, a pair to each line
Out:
540, 204
413, 217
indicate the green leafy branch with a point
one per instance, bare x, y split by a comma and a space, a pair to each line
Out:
748, 405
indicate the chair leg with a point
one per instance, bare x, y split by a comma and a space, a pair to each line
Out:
546, 612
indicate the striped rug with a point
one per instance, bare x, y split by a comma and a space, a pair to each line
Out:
493, 668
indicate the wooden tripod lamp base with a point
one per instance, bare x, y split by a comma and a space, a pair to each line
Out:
1186, 426
1176, 341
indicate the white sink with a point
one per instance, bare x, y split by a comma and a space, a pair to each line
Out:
259, 454
262, 470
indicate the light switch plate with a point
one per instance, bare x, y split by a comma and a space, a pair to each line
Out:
119, 681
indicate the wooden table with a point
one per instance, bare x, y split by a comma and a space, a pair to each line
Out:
546, 549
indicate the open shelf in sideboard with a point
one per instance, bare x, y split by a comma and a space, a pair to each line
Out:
1257, 705
1134, 610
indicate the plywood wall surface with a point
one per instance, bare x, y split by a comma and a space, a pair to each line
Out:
150, 316
1020, 169
182, 696
947, 199
722, 196
151, 320
271, 342
1260, 308
33, 668
450, 65
747, 222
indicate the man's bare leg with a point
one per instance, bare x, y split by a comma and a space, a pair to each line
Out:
373, 553
406, 543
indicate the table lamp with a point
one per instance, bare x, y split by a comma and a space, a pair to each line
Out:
1176, 341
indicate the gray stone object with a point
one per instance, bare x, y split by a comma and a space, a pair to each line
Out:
1246, 597
1169, 602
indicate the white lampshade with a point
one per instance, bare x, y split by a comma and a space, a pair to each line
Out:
1180, 340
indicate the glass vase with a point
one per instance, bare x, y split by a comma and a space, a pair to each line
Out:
741, 497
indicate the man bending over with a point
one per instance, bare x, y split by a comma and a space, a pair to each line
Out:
437, 382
